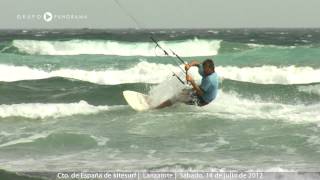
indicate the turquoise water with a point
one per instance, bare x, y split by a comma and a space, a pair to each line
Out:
62, 106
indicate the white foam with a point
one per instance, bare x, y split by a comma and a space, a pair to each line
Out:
231, 106
21, 73
4, 133
222, 141
213, 32
146, 72
142, 72
24, 140
100, 140
271, 74
45, 110
314, 140
171, 87
165, 90
192, 47
253, 45
311, 89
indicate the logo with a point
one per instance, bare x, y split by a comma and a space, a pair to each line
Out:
47, 16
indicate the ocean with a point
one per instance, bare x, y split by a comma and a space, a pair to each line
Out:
62, 109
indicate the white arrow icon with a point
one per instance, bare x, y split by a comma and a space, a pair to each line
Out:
47, 16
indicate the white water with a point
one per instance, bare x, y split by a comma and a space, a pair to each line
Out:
312, 89
271, 74
45, 110
146, 72
185, 48
242, 108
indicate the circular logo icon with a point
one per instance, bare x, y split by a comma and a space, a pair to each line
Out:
47, 16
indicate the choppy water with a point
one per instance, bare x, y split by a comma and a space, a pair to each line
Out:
61, 104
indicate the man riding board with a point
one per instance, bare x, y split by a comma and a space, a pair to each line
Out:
198, 95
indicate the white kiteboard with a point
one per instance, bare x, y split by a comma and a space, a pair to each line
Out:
137, 101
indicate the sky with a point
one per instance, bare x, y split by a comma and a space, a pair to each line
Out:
105, 14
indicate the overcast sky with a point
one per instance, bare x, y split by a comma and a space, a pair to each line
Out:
161, 13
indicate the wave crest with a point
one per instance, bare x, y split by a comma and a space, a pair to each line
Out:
145, 72
42, 111
185, 48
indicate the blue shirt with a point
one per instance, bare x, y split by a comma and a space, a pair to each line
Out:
209, 85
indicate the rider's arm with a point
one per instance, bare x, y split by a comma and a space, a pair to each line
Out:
198, 90
193, 63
